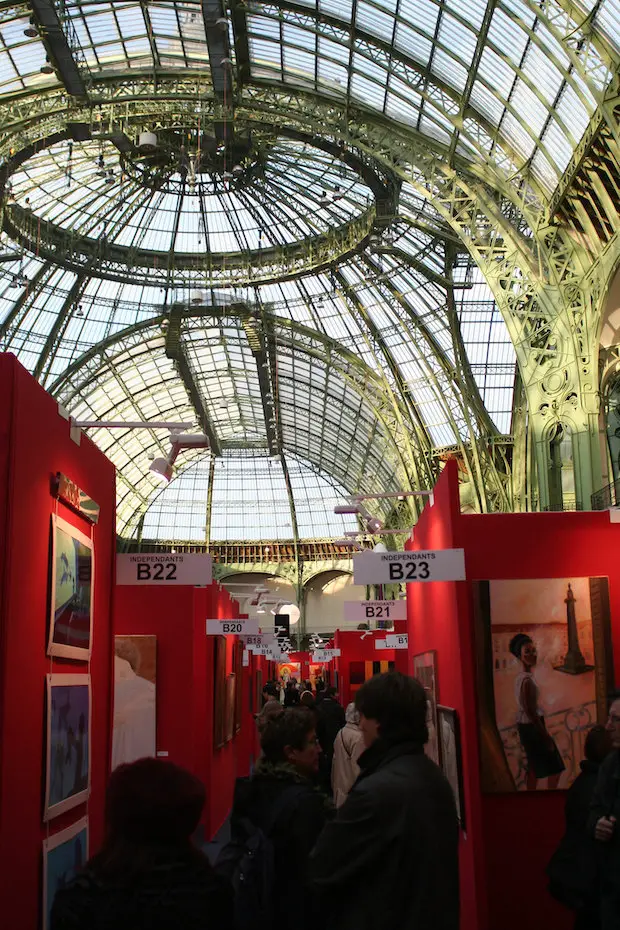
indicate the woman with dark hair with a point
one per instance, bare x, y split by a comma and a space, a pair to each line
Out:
281, 801
148, 875
543, 759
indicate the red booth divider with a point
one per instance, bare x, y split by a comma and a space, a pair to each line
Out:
35, 443
510, 837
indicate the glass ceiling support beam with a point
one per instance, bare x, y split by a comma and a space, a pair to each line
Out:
491, 486
254, 329
10, 325
220, 63
176, 351
149, 32
242, 46
419, 475
61, 44
483, 33
209, 514
46, 358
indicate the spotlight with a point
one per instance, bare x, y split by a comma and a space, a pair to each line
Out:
221, 23
374, 524
47, 67
162, 469
31, 31
237, 171
226, 62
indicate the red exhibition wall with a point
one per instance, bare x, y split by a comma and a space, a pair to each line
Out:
359, 646
35, 443
510, 837
185, 684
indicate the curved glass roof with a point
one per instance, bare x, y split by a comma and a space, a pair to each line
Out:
298, 299
250, 501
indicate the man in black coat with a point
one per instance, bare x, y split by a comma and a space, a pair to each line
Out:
603, 824
390, 857
573, 869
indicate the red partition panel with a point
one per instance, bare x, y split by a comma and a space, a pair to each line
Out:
510, 836
34, 444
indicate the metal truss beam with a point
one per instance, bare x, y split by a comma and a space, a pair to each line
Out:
61, 44
175, 350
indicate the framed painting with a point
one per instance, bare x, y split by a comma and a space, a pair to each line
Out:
67, 781
544, 669
451, 755
71, 592
135, 681
424, 669
64, 855
231, 691
238, 670
258, 691
219, 691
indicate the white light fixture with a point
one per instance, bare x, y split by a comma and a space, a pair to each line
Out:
162, 469
221, 23
260, 610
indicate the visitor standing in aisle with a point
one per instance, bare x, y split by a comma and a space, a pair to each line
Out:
331, 719
291, 695
148, 875
603, 824
348, 746
279, 806
573, 869
390, 856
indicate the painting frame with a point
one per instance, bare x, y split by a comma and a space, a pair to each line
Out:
506, 761
52, 845
219, 691
231, 695
425, 670
448, 719
55, 648
258, 691
238, 650
52, 809
134, 718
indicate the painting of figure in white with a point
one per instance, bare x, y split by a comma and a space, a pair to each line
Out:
135, 674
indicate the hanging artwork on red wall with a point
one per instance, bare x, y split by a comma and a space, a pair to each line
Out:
544, 671
68, 743
424, 669
219, 688
71, 596
135, 681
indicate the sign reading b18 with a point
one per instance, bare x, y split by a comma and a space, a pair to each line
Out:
163, 568
407, 567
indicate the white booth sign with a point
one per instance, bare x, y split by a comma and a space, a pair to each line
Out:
231, 627
393, 641
324, 655
361, 611
254, 640
163, 568
407, 567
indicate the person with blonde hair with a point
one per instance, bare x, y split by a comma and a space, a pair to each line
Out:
348, 747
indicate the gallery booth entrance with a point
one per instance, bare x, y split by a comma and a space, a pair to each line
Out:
68, 630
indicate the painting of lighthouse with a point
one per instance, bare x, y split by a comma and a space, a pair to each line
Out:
543, 671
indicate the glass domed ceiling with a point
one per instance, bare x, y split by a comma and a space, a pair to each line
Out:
184, 197
316, 306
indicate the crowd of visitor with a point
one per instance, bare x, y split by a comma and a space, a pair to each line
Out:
344, 821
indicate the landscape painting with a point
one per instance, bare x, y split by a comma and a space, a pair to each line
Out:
71, 595
544, 671
68, 743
